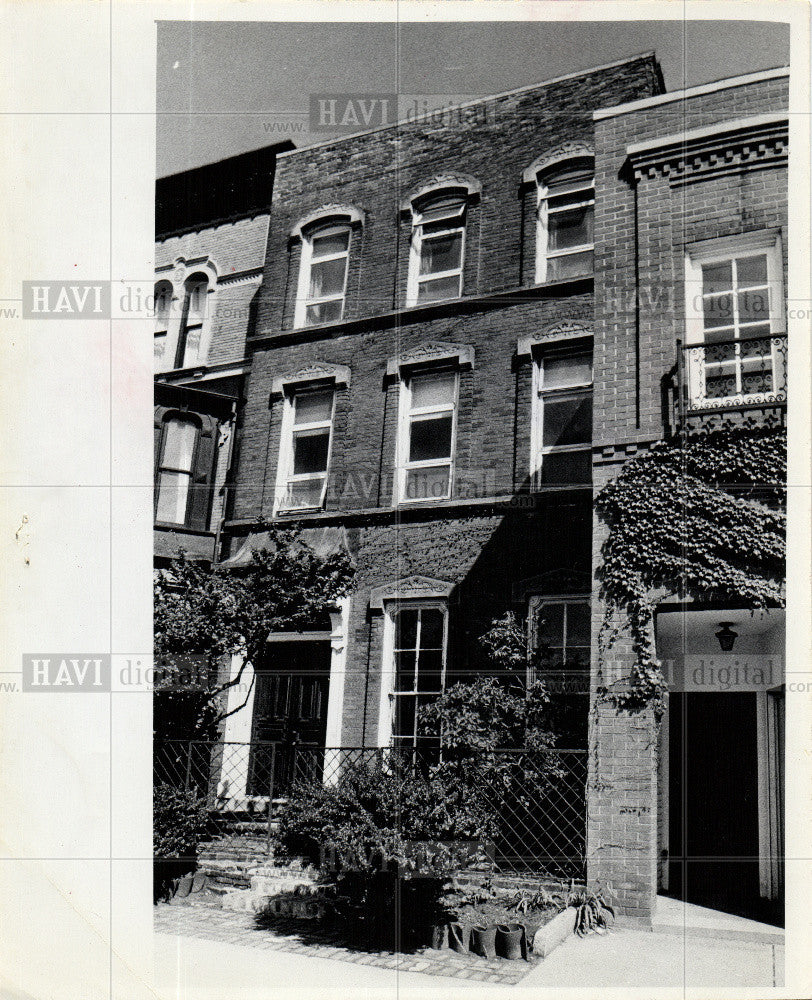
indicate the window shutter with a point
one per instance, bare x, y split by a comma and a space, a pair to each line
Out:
200, 491
160, 413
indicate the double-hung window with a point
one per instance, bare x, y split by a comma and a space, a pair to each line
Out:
175, 470
438, 249
419, 641
305, 453
735, 312
162, 308
323, 276
191, 328
427, 436
566, 208
562, 420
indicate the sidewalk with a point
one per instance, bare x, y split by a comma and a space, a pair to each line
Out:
202, 953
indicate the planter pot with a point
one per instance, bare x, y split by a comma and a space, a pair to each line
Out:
459, 937
483, 941
511, 941
439, 936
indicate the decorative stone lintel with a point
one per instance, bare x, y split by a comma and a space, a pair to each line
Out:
409, 588
440, 183
340, 374
563, 329
566, 151
339, 213
461, 354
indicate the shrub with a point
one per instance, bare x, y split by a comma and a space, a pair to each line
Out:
179, 822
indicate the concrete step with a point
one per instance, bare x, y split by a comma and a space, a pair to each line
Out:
689, 920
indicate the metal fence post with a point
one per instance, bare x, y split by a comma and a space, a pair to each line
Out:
271, 782
188, 766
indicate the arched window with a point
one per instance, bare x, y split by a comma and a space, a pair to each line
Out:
161, 311
196, 290
438, 246
566, 207
176, 469
323, 274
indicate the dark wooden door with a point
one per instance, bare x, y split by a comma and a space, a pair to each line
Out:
290, 710
713, 801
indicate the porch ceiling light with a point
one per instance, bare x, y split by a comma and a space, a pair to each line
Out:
726, 636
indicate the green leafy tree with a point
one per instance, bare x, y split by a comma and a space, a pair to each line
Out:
202, 616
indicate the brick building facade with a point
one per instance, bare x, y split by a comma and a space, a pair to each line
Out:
466, 324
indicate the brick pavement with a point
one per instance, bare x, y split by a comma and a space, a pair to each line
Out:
235, 927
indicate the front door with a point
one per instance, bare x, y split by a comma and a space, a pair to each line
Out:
290, 711
714, 821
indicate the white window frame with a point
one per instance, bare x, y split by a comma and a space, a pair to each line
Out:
764, 243
285, 475
536, 602
457, 223
404, 466
303, 299
543, 255
176, 418
389, 695
537, 447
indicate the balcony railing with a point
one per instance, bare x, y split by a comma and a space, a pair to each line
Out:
731, 381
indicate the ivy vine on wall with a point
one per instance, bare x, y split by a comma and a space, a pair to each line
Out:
701, 516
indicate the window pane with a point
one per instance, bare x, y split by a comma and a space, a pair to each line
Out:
404, 721
404, 670
332, 243
578, 624
567, 421
431, 629
757, 375
572, 228
433, 390
173, 494
567, 179
754, 306
571, 266
306, 493
550, 625
439, 288
324, 312
567, 467
440, 253
160, 344
719, 386
430, 438
327, 277
312, 407
197, 301
191, 349
717, 277
310, 451
751, 271
163, 301
718, 310
406, 629
179, 446
430, 667
442, 209
561, 373
427, 484
755, 347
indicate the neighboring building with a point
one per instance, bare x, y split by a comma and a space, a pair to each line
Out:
455, 349
690, 296
211, 228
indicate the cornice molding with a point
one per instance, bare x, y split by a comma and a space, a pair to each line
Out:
728, 147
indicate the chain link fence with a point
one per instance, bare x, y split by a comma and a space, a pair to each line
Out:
539, 798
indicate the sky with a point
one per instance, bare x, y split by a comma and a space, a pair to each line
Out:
224, 88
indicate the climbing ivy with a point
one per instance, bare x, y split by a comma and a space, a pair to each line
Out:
701, 516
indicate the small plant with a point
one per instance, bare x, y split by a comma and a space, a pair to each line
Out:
595, 912
526, 900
